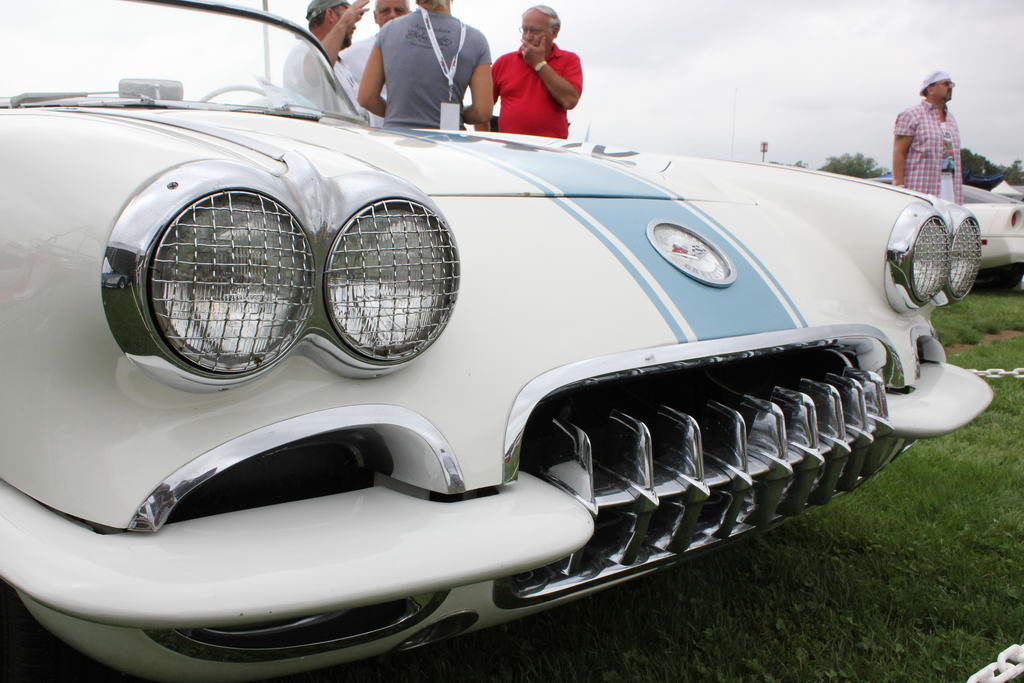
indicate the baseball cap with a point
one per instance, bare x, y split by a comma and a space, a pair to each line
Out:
318, 7
934, 77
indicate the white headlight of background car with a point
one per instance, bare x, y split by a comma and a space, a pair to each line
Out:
391, 281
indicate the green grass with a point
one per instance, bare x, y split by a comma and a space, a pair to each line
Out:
916, 576
981, 312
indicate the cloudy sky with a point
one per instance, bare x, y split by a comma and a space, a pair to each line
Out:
813, 78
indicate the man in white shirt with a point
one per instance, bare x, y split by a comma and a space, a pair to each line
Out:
355, 57
333, 22
383, 12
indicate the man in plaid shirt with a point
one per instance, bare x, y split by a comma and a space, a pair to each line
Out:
926, 153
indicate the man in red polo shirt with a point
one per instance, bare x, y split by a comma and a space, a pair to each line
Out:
538, 84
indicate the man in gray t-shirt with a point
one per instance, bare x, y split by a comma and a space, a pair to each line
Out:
415, 82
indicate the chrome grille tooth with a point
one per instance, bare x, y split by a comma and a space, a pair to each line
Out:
877, 405
875, 398
571, 463
678, 448
851, 393
829, 408
802, 443
858, 427
632, 443
766, 442
725, 445
725, 436
832, 437
627, 454
678, 444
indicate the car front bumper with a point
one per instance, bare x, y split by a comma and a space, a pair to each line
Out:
126, 598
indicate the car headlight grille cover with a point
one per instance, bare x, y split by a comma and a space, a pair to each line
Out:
231, 282
392, 279
965, 257
931, 259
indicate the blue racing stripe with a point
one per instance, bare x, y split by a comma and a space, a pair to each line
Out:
748, 306
631, 269
753, 257
572, 173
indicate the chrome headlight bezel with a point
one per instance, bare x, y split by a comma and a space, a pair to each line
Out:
905, 246
320, 206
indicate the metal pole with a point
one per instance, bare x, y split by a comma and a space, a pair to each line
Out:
266, 43
732, 145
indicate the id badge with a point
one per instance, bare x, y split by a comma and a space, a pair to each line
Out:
450, 116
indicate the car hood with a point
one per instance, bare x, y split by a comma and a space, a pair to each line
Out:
443, 163
461, 164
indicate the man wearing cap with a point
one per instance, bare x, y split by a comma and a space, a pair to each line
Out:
332, 22
540, 82
926, 152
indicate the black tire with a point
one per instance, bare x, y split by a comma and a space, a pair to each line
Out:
30, 654
1004, 277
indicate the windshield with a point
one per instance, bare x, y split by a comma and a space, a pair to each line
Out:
121, 52
973, 195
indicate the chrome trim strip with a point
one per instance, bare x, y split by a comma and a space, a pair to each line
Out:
418, 609
226, 134
873, 347
420, 455
322, 207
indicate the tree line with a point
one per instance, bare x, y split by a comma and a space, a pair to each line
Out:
860, 166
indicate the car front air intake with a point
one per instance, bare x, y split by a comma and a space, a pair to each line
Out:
678, 458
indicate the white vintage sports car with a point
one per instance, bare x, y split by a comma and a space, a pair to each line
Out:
283, 391
1002, 236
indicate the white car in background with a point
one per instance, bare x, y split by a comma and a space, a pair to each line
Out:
1002, 237
283, 391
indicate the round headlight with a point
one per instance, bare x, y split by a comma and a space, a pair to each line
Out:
392, 279
231, 282
930, 259
964, 257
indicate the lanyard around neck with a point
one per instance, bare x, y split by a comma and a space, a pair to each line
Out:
448, 69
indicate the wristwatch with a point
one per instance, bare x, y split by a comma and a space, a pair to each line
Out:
540, 65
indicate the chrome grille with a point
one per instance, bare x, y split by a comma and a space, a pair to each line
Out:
675, 461
392, 280
231, 281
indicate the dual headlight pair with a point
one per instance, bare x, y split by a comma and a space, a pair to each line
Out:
930, 254
235, 278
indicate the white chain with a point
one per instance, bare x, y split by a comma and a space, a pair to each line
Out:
1008, 666
997, 372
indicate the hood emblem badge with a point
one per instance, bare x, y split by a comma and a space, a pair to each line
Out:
691, 254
